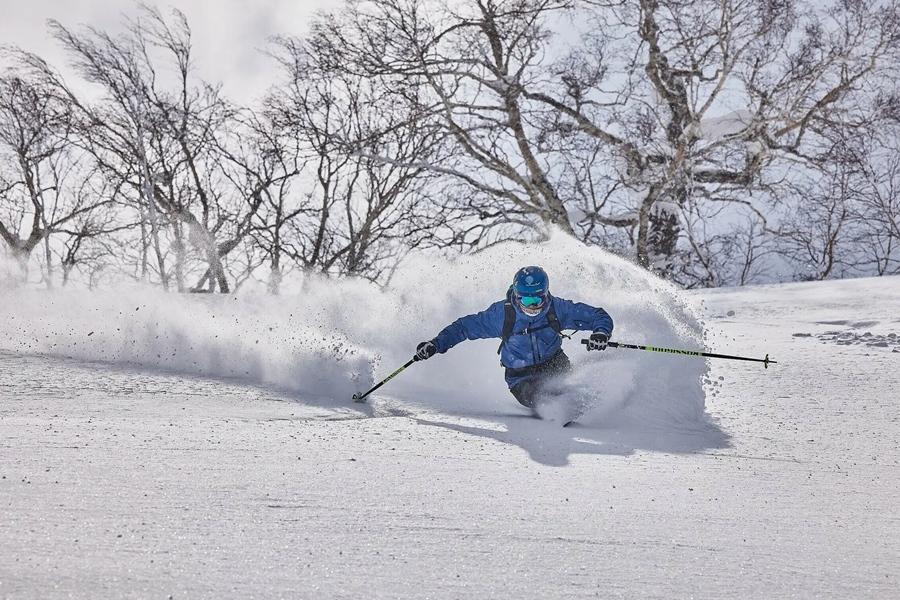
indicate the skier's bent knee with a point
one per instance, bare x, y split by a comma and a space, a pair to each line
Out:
525, 393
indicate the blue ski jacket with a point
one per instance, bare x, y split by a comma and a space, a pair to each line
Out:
533, 341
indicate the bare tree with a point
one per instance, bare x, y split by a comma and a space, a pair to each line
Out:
85, 241
780, 76
656, 104
877, 206
712, 141
265, 160
815, 235
160, 134
466, 72
359, 213
41, 171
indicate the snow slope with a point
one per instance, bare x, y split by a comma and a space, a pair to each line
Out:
143, 477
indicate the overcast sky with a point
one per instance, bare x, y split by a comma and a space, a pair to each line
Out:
228, 34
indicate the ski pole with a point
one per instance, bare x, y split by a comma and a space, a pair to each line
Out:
361, 397
765, 360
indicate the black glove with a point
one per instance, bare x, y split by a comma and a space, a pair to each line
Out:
598, 341
425, 350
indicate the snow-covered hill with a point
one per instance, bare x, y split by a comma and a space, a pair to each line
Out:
155, 446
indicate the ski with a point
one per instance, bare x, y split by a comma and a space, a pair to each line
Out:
578, 413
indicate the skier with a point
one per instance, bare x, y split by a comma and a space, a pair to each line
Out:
529, 324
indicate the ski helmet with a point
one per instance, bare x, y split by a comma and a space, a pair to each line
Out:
531, 288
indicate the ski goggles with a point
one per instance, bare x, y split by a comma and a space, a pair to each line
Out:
532, 301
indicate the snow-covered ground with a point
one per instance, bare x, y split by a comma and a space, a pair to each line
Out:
160, 447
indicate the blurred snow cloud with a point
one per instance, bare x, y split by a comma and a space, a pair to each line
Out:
230, 36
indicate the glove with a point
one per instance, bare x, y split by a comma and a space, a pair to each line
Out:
598, 341
425, 350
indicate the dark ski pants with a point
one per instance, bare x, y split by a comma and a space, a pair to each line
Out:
528, 390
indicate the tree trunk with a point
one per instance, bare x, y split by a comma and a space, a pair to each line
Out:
149, 198
180, 252
48, 256
275, 265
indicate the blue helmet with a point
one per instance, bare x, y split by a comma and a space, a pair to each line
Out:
531, 287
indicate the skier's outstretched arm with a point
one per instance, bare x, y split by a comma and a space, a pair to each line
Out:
485, 324
583, 317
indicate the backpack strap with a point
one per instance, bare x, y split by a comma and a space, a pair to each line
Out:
553, 320
509, 320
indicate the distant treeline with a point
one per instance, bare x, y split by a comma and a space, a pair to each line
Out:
715, 143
